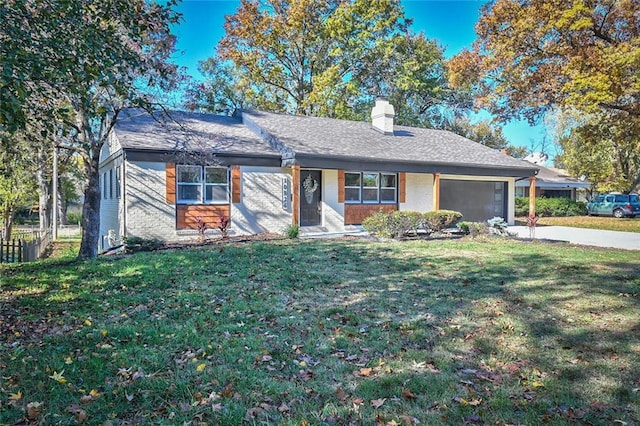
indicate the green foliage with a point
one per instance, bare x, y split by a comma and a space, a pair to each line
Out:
398, 224
551, 207
436, 221
473, 228
328, 58
137, 244
292, 231
74, 217
486, 133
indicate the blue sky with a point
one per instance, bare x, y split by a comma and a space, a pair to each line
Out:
450, 22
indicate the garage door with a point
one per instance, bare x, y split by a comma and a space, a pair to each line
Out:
477, 201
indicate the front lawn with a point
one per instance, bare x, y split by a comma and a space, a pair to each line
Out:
312, 332
591, 222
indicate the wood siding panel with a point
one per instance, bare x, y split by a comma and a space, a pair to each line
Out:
436, 191
354, 214
170, 179
186, 215
236, 185
402, 187
341, 186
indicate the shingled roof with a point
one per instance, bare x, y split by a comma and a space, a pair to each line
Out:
549, 177
137, 130
319, 142
312, 142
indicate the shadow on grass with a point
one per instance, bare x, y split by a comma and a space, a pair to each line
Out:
533, 332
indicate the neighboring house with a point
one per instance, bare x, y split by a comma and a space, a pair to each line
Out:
554, 183
274, 170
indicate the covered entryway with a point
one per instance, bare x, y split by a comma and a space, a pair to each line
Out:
310, 197
478, 201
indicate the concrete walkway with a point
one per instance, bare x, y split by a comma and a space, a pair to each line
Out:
588, 237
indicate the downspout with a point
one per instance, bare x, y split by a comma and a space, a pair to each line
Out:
124, 195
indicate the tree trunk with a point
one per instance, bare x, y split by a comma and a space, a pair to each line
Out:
7, 221
44, 211
91, 207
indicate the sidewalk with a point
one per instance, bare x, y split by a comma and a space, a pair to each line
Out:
588, 237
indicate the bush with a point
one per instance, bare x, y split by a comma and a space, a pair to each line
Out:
398, 224
551, 207
473, 228
498, 225
74, 218
136, 244
292, 231
439, 220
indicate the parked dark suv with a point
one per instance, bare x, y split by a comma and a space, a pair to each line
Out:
618, 205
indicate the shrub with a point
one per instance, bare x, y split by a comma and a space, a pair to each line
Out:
223, 226
398, 224
136, 244
74, 218
292, 231
473, 228
439, 220
498, 225
551, 207
202, 227
377, 224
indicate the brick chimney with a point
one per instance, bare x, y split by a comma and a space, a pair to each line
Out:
382, 116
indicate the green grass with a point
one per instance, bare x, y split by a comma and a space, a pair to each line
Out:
325, 332
591, 222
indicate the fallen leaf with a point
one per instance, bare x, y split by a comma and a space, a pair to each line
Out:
341, 394
377, 403
33, 410
410, 420
406, 393
537, 384
15, 396
58, 377
94, 393
284, 408
365, 372
227, 390
200, 368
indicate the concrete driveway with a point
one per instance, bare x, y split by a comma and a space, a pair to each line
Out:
588, 237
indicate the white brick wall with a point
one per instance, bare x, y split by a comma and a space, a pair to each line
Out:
111, 207
419, 192
261, 207
148, 215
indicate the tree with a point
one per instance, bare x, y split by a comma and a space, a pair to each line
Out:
534, 55
92, 59
16, 184
604, 148
486, 134
329, 58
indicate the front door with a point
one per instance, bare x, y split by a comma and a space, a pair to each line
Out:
310, 197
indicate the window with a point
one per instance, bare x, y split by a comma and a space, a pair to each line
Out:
111, 184
118, 181
370, 188
388, 185
352, 184
196, 184
216, 185
105, 186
